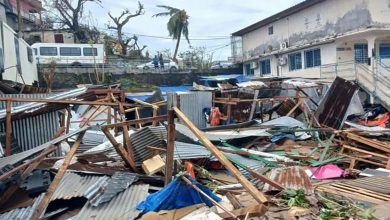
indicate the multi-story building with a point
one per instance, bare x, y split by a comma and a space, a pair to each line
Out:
316, 37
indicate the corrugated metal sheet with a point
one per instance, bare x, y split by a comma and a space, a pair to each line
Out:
244, 163
16, 158
22, 213
147, 136
33, 131
184, 132
75, 185
190, 151
375, 183
291, 178
192, 105
123, 206
34, 106
14, 104
109, 188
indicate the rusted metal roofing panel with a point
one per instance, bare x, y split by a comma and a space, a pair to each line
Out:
291, 178
121, 207
333, 108
22, 213
75, 185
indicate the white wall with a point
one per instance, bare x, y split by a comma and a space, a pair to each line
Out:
28, 69
318, 21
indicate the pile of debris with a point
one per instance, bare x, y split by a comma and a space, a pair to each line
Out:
281, 149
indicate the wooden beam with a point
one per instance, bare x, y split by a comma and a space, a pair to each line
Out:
57, 179
68, 109
8, 128
126, 136
67, 102
257, 195
233, 200
170, 147
142, 121
120, 149
253, 108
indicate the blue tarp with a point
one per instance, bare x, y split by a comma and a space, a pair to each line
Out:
177, 194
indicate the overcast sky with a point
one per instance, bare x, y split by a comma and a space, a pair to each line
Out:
208, 19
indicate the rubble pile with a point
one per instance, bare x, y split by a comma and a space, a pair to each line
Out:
275, 149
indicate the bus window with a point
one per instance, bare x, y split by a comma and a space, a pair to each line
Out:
88, 51
48, 51
70, 51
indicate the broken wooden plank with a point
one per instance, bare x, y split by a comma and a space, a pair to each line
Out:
120, 149
57, 179
259, 197
265, 179
233, 200
126, 136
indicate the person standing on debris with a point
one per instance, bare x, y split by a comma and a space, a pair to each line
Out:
161, 61
155, 62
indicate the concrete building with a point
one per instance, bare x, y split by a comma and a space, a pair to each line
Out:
17, 62
49, 36
315, 38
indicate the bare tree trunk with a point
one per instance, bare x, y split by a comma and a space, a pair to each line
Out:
177, 47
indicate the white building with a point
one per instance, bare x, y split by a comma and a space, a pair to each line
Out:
315, 38
17, 62
297, 41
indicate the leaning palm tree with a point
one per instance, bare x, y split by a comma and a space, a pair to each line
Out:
177, 25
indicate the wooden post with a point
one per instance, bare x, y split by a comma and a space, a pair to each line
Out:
115, 122
229, 110
155, 113
257, 195
253, 108
8, 129
68, 119
170, 147
57, 179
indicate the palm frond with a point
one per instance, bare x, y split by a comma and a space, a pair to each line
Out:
169, 8
185, 32
162, 14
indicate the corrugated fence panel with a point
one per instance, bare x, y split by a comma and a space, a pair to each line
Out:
192, 105
34, 131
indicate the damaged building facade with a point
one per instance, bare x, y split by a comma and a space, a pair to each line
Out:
317, 38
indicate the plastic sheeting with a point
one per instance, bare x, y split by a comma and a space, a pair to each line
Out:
177, 194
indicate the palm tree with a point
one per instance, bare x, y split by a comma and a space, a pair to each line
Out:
177, 25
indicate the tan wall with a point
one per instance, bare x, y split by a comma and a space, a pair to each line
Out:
48, 36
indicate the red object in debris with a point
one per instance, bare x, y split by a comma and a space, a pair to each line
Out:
215, 116
376, 122
190, 169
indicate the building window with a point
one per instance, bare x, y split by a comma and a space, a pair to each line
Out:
265, 67
295, 61
89, 52
361, 53
70, 51
312, 58
30, 55
58, 38
248, 70
48, 51
271, 30
384, 51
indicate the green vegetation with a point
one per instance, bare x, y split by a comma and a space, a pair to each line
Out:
130, 85
293, 197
